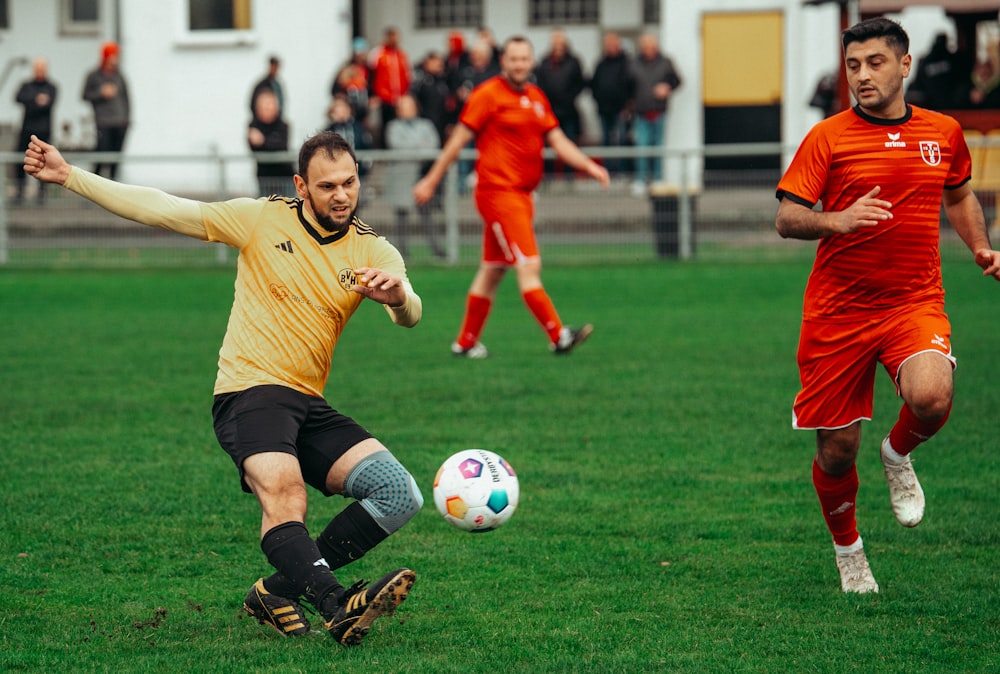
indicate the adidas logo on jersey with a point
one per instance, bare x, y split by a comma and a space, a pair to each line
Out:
894, 140
286, 246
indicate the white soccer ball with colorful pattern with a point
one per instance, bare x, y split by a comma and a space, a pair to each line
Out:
476, 490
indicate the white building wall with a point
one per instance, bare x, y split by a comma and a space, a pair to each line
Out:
189, 93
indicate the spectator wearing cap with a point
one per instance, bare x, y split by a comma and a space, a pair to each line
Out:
107, 91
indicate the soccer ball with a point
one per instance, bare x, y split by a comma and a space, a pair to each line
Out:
476, 490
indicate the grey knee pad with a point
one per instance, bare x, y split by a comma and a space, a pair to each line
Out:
385, 489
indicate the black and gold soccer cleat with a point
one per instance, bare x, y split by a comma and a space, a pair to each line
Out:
281, 613
361, 607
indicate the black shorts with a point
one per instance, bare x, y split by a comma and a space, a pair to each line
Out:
280, 419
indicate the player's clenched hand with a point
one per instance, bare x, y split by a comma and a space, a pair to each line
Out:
380, 286
868, 211
599, 173
423, 191
44, 162
989, 260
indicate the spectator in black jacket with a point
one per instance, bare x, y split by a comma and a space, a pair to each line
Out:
560, 77
268, 132
612, 88
38, 96
431, 91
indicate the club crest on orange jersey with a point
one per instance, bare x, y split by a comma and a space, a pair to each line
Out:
930, 152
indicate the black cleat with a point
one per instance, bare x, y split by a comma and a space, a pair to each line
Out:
281, 613
361, 607
571, 338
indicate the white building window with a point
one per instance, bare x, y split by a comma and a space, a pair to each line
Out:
219, 15
4, 17
563, 12
449, 13
79, 17
650, 11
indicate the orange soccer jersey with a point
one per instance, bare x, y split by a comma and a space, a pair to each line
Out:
896, 263
510, 128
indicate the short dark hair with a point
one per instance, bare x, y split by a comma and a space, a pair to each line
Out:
330, 143
516, 39
878, 27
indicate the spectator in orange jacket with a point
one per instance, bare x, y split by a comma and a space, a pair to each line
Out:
391, 74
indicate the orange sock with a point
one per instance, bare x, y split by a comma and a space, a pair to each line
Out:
838, 497
477, 310
541, 307
910, 431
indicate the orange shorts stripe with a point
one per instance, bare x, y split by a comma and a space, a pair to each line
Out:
508, 228
838, 361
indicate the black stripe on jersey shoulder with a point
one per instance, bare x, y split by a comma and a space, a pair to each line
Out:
361, 228
290, 201
321, 239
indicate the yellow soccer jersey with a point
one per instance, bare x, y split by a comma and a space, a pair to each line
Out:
293, 291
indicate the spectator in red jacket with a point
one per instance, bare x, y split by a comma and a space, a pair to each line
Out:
391, 74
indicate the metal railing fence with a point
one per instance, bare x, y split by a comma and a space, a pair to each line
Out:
698, 212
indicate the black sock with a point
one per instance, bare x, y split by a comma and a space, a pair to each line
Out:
295, 555
349, 536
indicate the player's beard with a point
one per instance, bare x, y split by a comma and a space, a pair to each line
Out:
326, 221
880, 99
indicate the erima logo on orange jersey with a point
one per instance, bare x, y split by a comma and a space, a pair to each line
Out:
894, 140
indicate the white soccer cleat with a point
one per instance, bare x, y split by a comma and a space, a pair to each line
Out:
855, 574
477, 351
904, 489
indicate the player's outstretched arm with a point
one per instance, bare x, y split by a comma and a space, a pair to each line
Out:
44, 162
424, 190
145, 205
568, 151
796, 221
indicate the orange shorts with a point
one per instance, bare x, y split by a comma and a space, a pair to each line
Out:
508, 229
838, 360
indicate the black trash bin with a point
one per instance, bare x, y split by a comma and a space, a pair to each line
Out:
665, 201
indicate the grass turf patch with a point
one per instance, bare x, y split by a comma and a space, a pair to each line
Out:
667, 521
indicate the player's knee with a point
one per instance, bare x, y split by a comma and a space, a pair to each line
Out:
932, 407
386, 490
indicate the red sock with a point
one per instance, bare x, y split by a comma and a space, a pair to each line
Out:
910, 431
838, 497
477, 310
541, 307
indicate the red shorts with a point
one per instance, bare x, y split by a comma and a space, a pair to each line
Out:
508, 229
838, 360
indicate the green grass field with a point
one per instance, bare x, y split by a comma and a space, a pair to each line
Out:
667, 520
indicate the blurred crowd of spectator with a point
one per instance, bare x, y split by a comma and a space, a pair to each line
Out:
631, 91
104, 88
